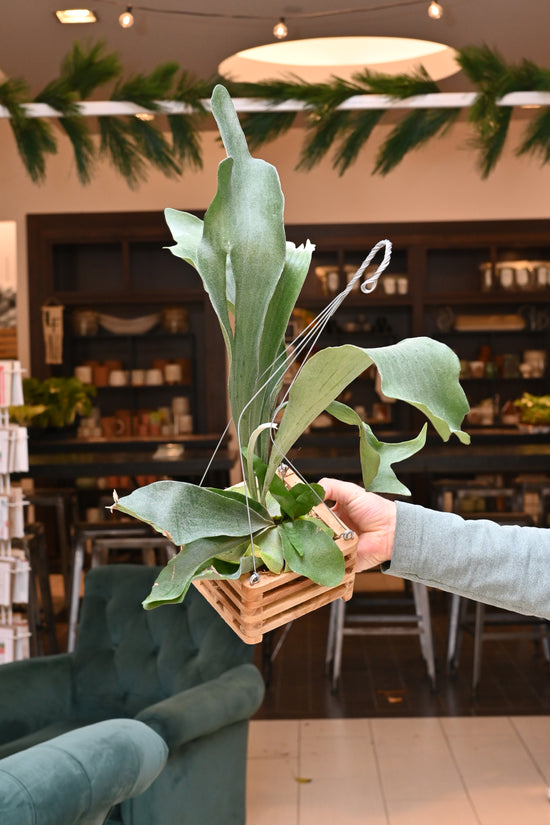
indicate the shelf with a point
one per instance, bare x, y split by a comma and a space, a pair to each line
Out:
484, 298
105, 335
355, 301
141, 387
158, 298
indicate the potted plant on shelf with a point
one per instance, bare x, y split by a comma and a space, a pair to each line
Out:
262, 534
534, 412
54, 403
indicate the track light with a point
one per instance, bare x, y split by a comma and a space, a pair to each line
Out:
126, 19
435, 10
76, 16
280, 30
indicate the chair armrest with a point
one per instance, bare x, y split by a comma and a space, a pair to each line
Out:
232, 697
80, 775
34, 692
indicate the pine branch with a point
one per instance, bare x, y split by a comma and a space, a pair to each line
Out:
33, 137
494, 78
359, 130
185, 141
121, 150
399, 86
185, 135
147, 90
415, 129
150, 142
59, 96
322, 132
87, 67
263, 127
537, 140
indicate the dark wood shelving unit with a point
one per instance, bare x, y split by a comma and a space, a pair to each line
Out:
110, 260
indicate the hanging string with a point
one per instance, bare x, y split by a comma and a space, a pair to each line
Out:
307, 340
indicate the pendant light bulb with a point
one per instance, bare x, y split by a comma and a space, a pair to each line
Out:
280, 30
435, 10
126, 19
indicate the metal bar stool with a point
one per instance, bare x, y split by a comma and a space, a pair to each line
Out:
343, 622
146, 545
518, 625
84, 533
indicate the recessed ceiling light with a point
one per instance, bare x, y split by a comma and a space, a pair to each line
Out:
317, 59
76, 16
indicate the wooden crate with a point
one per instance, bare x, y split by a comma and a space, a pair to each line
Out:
254, 609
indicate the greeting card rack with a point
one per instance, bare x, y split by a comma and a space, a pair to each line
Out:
14, 566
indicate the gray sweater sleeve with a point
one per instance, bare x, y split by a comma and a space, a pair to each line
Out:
506, 566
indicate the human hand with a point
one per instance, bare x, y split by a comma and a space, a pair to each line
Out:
371, 517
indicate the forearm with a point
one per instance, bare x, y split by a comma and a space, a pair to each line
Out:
506, 566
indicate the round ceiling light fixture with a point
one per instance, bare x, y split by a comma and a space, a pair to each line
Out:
317, 59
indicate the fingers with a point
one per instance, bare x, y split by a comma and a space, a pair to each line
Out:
343, 492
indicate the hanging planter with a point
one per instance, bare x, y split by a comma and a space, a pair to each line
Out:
264, 552
259, 602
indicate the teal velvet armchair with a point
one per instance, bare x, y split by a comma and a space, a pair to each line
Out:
77, 778
180, 669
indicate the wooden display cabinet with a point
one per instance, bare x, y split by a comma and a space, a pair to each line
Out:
117, 264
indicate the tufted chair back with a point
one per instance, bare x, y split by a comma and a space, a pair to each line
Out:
127, 658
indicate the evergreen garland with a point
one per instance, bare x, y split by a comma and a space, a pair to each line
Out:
134, 145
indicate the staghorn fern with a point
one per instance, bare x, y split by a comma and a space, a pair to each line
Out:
253, 277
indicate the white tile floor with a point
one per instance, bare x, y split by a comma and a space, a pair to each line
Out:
422, 771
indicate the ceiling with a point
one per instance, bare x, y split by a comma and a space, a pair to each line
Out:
33, 43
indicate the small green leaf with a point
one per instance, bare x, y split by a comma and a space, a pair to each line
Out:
270, 550
297, 500
309, 551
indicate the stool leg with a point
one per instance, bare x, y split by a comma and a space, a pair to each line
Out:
422, 607
329, 653
452, 639
545, 642
338, 641
148, 556
78, 563
478, 643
